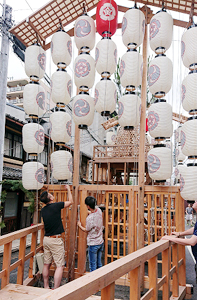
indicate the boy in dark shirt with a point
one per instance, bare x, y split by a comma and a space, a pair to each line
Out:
53, 243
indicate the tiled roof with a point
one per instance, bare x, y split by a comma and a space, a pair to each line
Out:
12, 173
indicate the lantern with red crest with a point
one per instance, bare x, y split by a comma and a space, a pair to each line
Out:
107, 17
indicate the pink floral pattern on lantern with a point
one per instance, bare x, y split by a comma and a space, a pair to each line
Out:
113, 137
153, 119
70, 164
153, 74
96, 96
154, 28
39, 175
177, 152
182, 49
68, 127
42, 61
51, 47
122, 67
183, 92
39, 136
81, 108
96, 55
120, 109
82, 28
124, 25
183, 139
176, 172
182, 183
40, 99
154, 163
69, 87
69, 46
82, 68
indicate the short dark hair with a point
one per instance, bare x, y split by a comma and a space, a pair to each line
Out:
44, 197
90, 201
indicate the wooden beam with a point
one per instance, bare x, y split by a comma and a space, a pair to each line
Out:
73, 223
141, 164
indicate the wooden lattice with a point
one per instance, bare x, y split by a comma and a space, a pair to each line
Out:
127, 143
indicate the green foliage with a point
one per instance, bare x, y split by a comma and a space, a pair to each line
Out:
17, 185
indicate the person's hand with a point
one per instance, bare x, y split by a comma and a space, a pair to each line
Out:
166, 237
79, 223
67, 187
175, 233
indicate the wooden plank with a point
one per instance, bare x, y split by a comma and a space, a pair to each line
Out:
165, 272
6, 264
134, 284
181, 294
21, 256
108, 292
21, 292
152, 273
33, 249
73, 223
175, 277
82, 241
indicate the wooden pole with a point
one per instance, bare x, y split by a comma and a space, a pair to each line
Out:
141, 164
73, 223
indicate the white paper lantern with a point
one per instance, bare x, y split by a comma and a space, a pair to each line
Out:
61, 87
84, 32
160, 163
129, 107
34, 99
84, 71
83, 110
169, 144
106, 56
133, 28
33, 175
61, 48
33, 138
189, 48
160, 75
161, 30
110, 138
189, 93
160, 119
35, 62
105, 97
188, 182
60, 127
131, 67
180, 169
179, 154
189, 137
61, 165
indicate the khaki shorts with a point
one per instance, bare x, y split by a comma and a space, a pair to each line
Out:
54, 250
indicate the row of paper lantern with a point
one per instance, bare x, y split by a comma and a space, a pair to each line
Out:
160, 75
188, 132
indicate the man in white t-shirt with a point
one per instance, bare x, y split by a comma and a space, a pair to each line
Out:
94, 229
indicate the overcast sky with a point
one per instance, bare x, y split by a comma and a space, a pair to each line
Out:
24, 8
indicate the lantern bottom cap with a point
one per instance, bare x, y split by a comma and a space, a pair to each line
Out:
33, 116
82, 126
60, 104
193, 112
60, 143
34, 78
128, 127
159, 94
160, 138
105, 113
162, 180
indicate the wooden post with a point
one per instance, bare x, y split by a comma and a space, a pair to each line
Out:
175, 276
134, 284
33, 249
142, 154
82, 235
108, 292
165, 272
21, 256
152, 273
6, 264
73, 223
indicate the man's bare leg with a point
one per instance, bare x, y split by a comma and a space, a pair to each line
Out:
58, 276
45, 274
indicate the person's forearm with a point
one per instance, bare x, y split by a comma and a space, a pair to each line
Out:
70, 197
186, 232
82, 228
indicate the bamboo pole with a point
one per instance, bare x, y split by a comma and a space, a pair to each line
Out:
142, 154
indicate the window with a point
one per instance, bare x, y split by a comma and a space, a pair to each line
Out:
17, 147
8, 144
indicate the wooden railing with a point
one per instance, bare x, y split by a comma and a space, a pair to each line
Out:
104, 279
7, 240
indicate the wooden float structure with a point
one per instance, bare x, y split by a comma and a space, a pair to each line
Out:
162, 205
